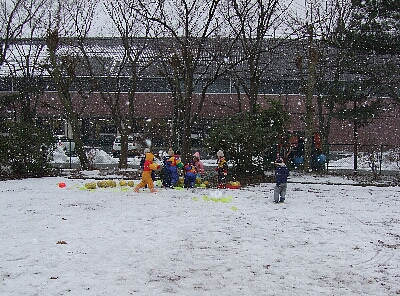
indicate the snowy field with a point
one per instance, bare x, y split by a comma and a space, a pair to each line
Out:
326, 239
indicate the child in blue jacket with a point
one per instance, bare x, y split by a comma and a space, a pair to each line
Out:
281, 175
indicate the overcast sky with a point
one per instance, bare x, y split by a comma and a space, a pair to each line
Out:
100, 27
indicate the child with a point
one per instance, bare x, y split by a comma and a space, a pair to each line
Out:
165, 171
221, 169
173, 164
142, 161
190, 174
199, 165
281, 175
148, 167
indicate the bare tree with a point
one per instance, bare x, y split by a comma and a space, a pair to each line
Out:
14, 15
309, 27
309, 95
191, 61
331, 25
26, 66
69, 24
254, 22
131, 64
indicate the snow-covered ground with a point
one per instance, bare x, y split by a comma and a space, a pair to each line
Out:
331, 237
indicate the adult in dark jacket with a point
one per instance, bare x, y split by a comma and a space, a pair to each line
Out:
166, 174
281, 175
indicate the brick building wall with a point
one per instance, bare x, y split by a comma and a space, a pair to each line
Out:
384, 129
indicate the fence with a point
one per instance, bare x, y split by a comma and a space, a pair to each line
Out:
376, 159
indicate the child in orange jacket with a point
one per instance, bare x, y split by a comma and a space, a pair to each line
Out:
148, 167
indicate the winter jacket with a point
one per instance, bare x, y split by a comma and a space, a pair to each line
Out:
166, 174
281, 174
173, 164
148, 167
190, 169
149, 164
199, 164
222, 166
175, 161
190, 175
142, 161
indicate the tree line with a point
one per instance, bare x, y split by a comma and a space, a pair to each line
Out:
346, 56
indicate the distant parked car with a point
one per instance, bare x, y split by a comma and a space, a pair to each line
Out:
133, 146
68, 145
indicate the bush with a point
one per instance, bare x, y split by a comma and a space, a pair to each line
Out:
25, 150
245, 137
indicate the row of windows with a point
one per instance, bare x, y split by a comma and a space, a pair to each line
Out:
225, 85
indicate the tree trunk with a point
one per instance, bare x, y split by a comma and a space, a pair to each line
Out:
187, 115
355, 135
80, 150
176, 120
309, 116
62, 86
253, 88
123, 156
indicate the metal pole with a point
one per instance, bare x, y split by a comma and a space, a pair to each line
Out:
70, 154
380, 160
328, 152
355, 137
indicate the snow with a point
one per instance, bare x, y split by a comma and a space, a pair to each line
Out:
95, 155
330, 237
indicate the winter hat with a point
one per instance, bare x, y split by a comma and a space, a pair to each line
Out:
149, 156
170, 152
177, 152
279, 162
146, 150
220, 153
197, 154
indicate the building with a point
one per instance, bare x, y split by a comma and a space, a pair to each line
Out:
154, 101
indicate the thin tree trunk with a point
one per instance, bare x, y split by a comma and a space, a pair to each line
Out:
309, 116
